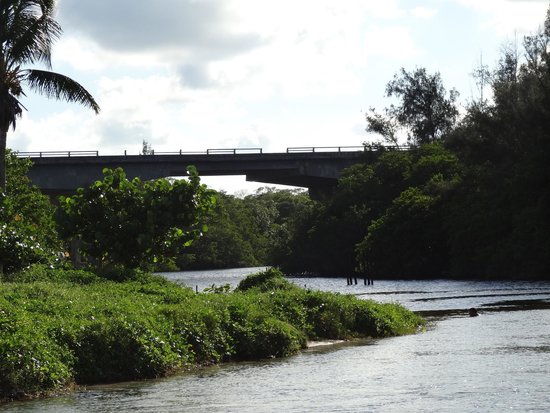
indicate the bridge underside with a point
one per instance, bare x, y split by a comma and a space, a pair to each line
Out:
318, 187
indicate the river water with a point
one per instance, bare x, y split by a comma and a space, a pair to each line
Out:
499, 361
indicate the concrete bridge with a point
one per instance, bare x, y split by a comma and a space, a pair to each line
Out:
315, 168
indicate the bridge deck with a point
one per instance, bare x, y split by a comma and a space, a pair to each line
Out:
313, 168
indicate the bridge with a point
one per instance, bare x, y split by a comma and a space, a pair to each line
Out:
315, 168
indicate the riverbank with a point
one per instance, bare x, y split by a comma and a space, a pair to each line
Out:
58, 329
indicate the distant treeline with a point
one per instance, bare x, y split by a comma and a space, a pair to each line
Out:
470, 199
250, 231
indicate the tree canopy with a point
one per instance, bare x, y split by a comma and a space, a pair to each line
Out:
425, 112
27, 228
134, 224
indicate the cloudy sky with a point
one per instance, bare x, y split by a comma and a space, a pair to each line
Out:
199, 74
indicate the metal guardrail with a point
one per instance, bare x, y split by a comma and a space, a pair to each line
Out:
235, 151
220, 151
180, 152
376, 147
316, 149
47, 154
69, 154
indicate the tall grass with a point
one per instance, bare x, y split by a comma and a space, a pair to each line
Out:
58, 328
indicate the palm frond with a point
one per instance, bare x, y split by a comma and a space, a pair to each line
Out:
51, 84
28, 30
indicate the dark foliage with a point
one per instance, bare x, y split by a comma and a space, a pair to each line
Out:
472, 201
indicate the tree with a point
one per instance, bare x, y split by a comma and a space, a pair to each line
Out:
248, 231
385, 125
401, 198
133, 224
146, 148
499, 221
425, 111
27, 33
27, 228
231, 240
407, 241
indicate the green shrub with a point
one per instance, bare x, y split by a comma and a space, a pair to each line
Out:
203, 330
120, 349
266, 338
31, 362
41, 272
27, 227
268, 280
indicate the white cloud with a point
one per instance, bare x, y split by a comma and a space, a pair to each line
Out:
148, 92
66, 130
507, 17
424, 13
391, 42
81, 54
84, 55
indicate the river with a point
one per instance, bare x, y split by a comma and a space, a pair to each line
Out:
499, 361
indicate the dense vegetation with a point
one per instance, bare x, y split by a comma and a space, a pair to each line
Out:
384, 215
470, 199
126, 224
27, 227
247, 232
58, 327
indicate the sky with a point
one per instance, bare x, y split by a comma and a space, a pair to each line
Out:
193, 75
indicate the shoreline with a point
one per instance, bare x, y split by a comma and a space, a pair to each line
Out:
65, 329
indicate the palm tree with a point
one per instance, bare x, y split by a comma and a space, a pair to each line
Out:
27, 32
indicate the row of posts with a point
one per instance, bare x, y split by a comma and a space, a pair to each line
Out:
366, 280
366, 273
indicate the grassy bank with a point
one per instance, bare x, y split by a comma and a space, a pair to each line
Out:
58, 328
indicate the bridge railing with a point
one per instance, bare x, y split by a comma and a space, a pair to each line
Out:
180, 152
221, 151
69, 154
310, 149
47, 154
314, 149
233, 151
